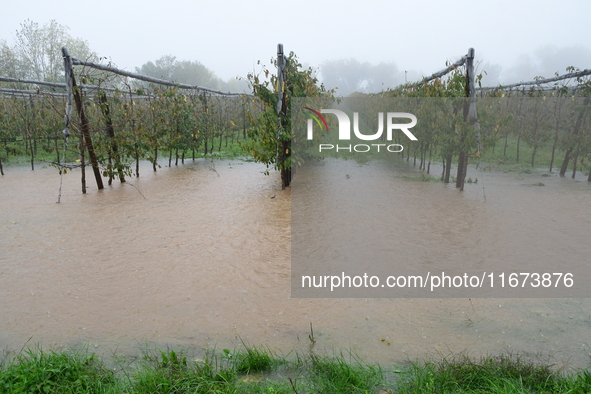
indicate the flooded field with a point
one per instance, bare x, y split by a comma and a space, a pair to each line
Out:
199, 256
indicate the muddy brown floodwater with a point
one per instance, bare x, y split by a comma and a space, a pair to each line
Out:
198, 256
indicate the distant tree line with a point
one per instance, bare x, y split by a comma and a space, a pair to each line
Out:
133, 121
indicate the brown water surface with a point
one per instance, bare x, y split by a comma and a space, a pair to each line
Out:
199, 255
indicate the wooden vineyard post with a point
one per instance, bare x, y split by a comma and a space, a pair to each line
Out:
113, 150
206, 128
243, 119
85, 128
283, 145
469, 115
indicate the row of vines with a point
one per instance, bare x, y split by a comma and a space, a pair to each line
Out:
550, 116
131, 120
128, 124
558, 124
462, 125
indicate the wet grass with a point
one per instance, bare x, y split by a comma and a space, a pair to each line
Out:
502, 374
259, 370
38, 371
502, 160
229, 150
252, 370
338, 375
509, 157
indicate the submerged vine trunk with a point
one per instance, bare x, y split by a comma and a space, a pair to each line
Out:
576, 130
460, 175
575, 165
82, 166
113, 148
448, 161
57, 153
553, 152
565, 162
137, 162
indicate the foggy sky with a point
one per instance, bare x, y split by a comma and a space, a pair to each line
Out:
512, 38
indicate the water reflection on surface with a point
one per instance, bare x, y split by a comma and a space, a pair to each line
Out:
199, 255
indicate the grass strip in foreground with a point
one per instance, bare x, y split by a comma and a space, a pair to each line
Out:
259, 370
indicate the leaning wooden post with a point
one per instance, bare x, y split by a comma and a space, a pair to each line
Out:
85, 128
469, 115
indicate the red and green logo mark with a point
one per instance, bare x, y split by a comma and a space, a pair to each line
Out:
317, 116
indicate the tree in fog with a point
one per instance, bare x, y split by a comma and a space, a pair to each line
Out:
349, 75
188, 72
547, 62
346, 75
236, 85
36, 53
491, 73
8, 63
382, 76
